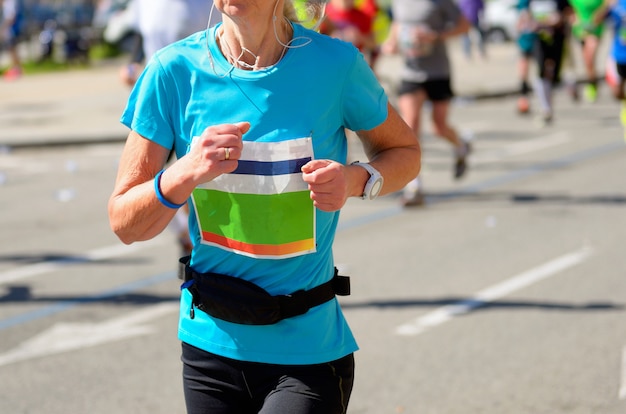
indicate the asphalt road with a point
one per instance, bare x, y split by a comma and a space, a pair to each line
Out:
504, 294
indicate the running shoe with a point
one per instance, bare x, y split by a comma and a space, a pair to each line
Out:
12, 74
523, 105
460, 165
622, 116
546, 119
591, 93
573, 92
412, 195
416, 200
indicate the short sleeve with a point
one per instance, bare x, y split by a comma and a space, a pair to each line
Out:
451, 10
364, 99
149, 108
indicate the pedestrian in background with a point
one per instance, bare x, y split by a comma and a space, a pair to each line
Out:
345, 20
256, 110
588, 33
526, 40
548, 20
473, 11
160, 23
11, 30
615, 10
419, 31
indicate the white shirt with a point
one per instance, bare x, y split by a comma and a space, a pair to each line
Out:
9, 10
162, 22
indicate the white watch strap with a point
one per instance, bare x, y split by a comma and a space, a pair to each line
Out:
374, 182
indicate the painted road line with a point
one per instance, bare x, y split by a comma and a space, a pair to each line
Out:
500, 180
447, 313
521, 148
103, 253
622, 388
37, 269
62, 306
64, 337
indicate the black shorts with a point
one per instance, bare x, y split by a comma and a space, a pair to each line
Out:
549, 57
13, 36
621, 70
218, 385
436, 90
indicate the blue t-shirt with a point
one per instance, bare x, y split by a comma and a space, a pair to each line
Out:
15, 11
259, 223
617, 15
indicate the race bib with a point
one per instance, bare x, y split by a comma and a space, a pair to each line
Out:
543, 10
263, 208
409, 43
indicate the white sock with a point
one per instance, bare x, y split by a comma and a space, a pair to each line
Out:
544, 93
413, 187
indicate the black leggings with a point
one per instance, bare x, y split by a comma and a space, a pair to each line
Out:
218, 385
549, 57
621, 70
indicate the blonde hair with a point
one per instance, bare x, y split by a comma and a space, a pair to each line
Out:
309, 13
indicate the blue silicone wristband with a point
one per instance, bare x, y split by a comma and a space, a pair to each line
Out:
159, 194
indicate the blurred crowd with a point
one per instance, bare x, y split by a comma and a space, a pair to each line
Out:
73, 26
545, 32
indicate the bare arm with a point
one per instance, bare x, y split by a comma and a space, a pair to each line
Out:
135, 213
462, 26
390, 45
425, 35
393, 150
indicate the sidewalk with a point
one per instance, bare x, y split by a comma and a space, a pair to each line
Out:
79, 106
84, 106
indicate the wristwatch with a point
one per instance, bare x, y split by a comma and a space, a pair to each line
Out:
374, 184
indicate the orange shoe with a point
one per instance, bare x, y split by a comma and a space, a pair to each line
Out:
523, 106
12, 74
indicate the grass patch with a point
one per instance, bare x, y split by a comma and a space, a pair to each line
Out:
104, 50
97, 52
46, 66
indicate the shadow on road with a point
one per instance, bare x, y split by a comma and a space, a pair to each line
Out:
63, 258
529, 198
22, 294
476, 304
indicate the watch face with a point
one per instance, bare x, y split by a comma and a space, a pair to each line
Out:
376, 187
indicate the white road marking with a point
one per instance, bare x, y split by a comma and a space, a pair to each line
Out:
446, 313
521, 148
622, 388
117, 250
23, 164
64, 337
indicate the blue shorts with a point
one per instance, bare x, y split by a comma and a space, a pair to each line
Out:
13, 35
526, 43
